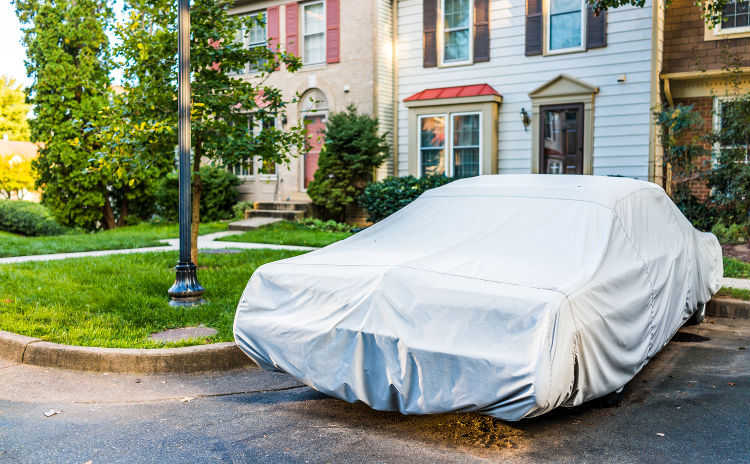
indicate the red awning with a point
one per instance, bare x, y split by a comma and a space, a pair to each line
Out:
460, 91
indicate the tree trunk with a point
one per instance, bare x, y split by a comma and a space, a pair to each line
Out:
197, 188
109, 215
121, 221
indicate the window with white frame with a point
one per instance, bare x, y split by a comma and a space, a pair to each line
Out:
257, 36
565, 25
458, 155
723, 110
457, 31
736, 16
313, 33
255, 165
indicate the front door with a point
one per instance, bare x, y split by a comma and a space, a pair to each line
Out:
315, 125
561, 139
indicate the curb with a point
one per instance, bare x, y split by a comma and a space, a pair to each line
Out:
729, 307
191, 359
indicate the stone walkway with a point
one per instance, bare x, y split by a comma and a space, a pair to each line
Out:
205, 242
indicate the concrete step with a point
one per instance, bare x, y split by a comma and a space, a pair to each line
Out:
283, 205
290, 215
253, 223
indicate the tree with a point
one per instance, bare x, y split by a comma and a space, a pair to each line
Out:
15, 176
223, 102
353, 150
68, 59
13, 110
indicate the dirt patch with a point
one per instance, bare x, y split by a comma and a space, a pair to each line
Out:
687, 337
464, 431
741, 252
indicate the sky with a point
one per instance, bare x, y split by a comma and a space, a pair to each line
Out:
12, 51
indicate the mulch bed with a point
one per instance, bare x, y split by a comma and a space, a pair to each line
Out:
741, 252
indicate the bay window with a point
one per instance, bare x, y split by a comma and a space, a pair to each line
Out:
457, 34
565, 25
458, 155
313, 33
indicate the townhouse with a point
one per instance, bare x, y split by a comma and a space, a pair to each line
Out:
339, 42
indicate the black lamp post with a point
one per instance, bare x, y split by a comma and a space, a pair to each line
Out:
186, 290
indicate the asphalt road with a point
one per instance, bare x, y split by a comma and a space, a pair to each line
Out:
690, 404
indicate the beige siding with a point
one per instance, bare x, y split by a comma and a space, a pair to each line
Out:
384, 76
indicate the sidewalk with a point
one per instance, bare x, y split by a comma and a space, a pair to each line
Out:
205, 242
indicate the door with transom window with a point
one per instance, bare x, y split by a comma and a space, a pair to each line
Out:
561, 139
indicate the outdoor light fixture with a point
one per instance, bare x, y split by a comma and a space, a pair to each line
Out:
525, 119
186, 290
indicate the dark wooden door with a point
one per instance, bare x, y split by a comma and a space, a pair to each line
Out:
561, 144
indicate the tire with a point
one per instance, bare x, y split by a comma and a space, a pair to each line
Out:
698, 316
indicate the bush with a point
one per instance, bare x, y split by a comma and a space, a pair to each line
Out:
324, 226
701, 214
733, 234
217, 199
353, 150
27, 218
381, 199
240, 208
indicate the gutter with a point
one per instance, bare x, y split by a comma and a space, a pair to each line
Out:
696, 75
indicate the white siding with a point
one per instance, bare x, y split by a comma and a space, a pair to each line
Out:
384, 77
622, 111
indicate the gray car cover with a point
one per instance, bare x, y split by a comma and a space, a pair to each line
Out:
509, 295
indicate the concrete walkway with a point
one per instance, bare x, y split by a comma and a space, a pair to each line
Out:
205, 242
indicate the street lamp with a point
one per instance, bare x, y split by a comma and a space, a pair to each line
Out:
186, 290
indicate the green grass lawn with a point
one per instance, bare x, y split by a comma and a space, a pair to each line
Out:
735, 268
118, 301
142, 235
288, 233
738, 293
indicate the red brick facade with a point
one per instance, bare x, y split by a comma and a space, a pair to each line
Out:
704, 106
685, 48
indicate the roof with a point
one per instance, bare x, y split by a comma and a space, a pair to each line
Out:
461, 91
27, 150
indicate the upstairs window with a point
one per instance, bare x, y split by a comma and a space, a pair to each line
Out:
257, 36
735, 16
565, 25
314, 33
457, 35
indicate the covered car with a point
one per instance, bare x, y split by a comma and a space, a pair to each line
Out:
509, 295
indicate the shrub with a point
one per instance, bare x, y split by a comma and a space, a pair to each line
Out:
353, 150
381, 199
701, 214
27, 218
218, 197
240, 208
325, 226
733, 234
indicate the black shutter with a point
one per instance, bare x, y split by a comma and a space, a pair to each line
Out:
533, 27
429, 41
481, 30
597, 29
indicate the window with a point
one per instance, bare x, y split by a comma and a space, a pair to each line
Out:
248, 168
256, 36
724, 109
463, 145
457, 34
735, 15
432, 145
565, 31
314, 33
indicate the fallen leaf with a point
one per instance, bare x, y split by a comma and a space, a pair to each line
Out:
187, 399
660, 434
51, 412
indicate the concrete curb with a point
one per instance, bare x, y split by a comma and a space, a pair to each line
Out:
200, 358
729, 307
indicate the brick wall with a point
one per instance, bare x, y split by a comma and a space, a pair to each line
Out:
704, 106
685, 48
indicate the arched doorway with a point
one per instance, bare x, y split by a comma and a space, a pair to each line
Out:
314, 111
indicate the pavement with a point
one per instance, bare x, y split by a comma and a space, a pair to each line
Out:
205, 242
690, 404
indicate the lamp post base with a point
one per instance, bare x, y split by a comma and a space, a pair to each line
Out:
186, 290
